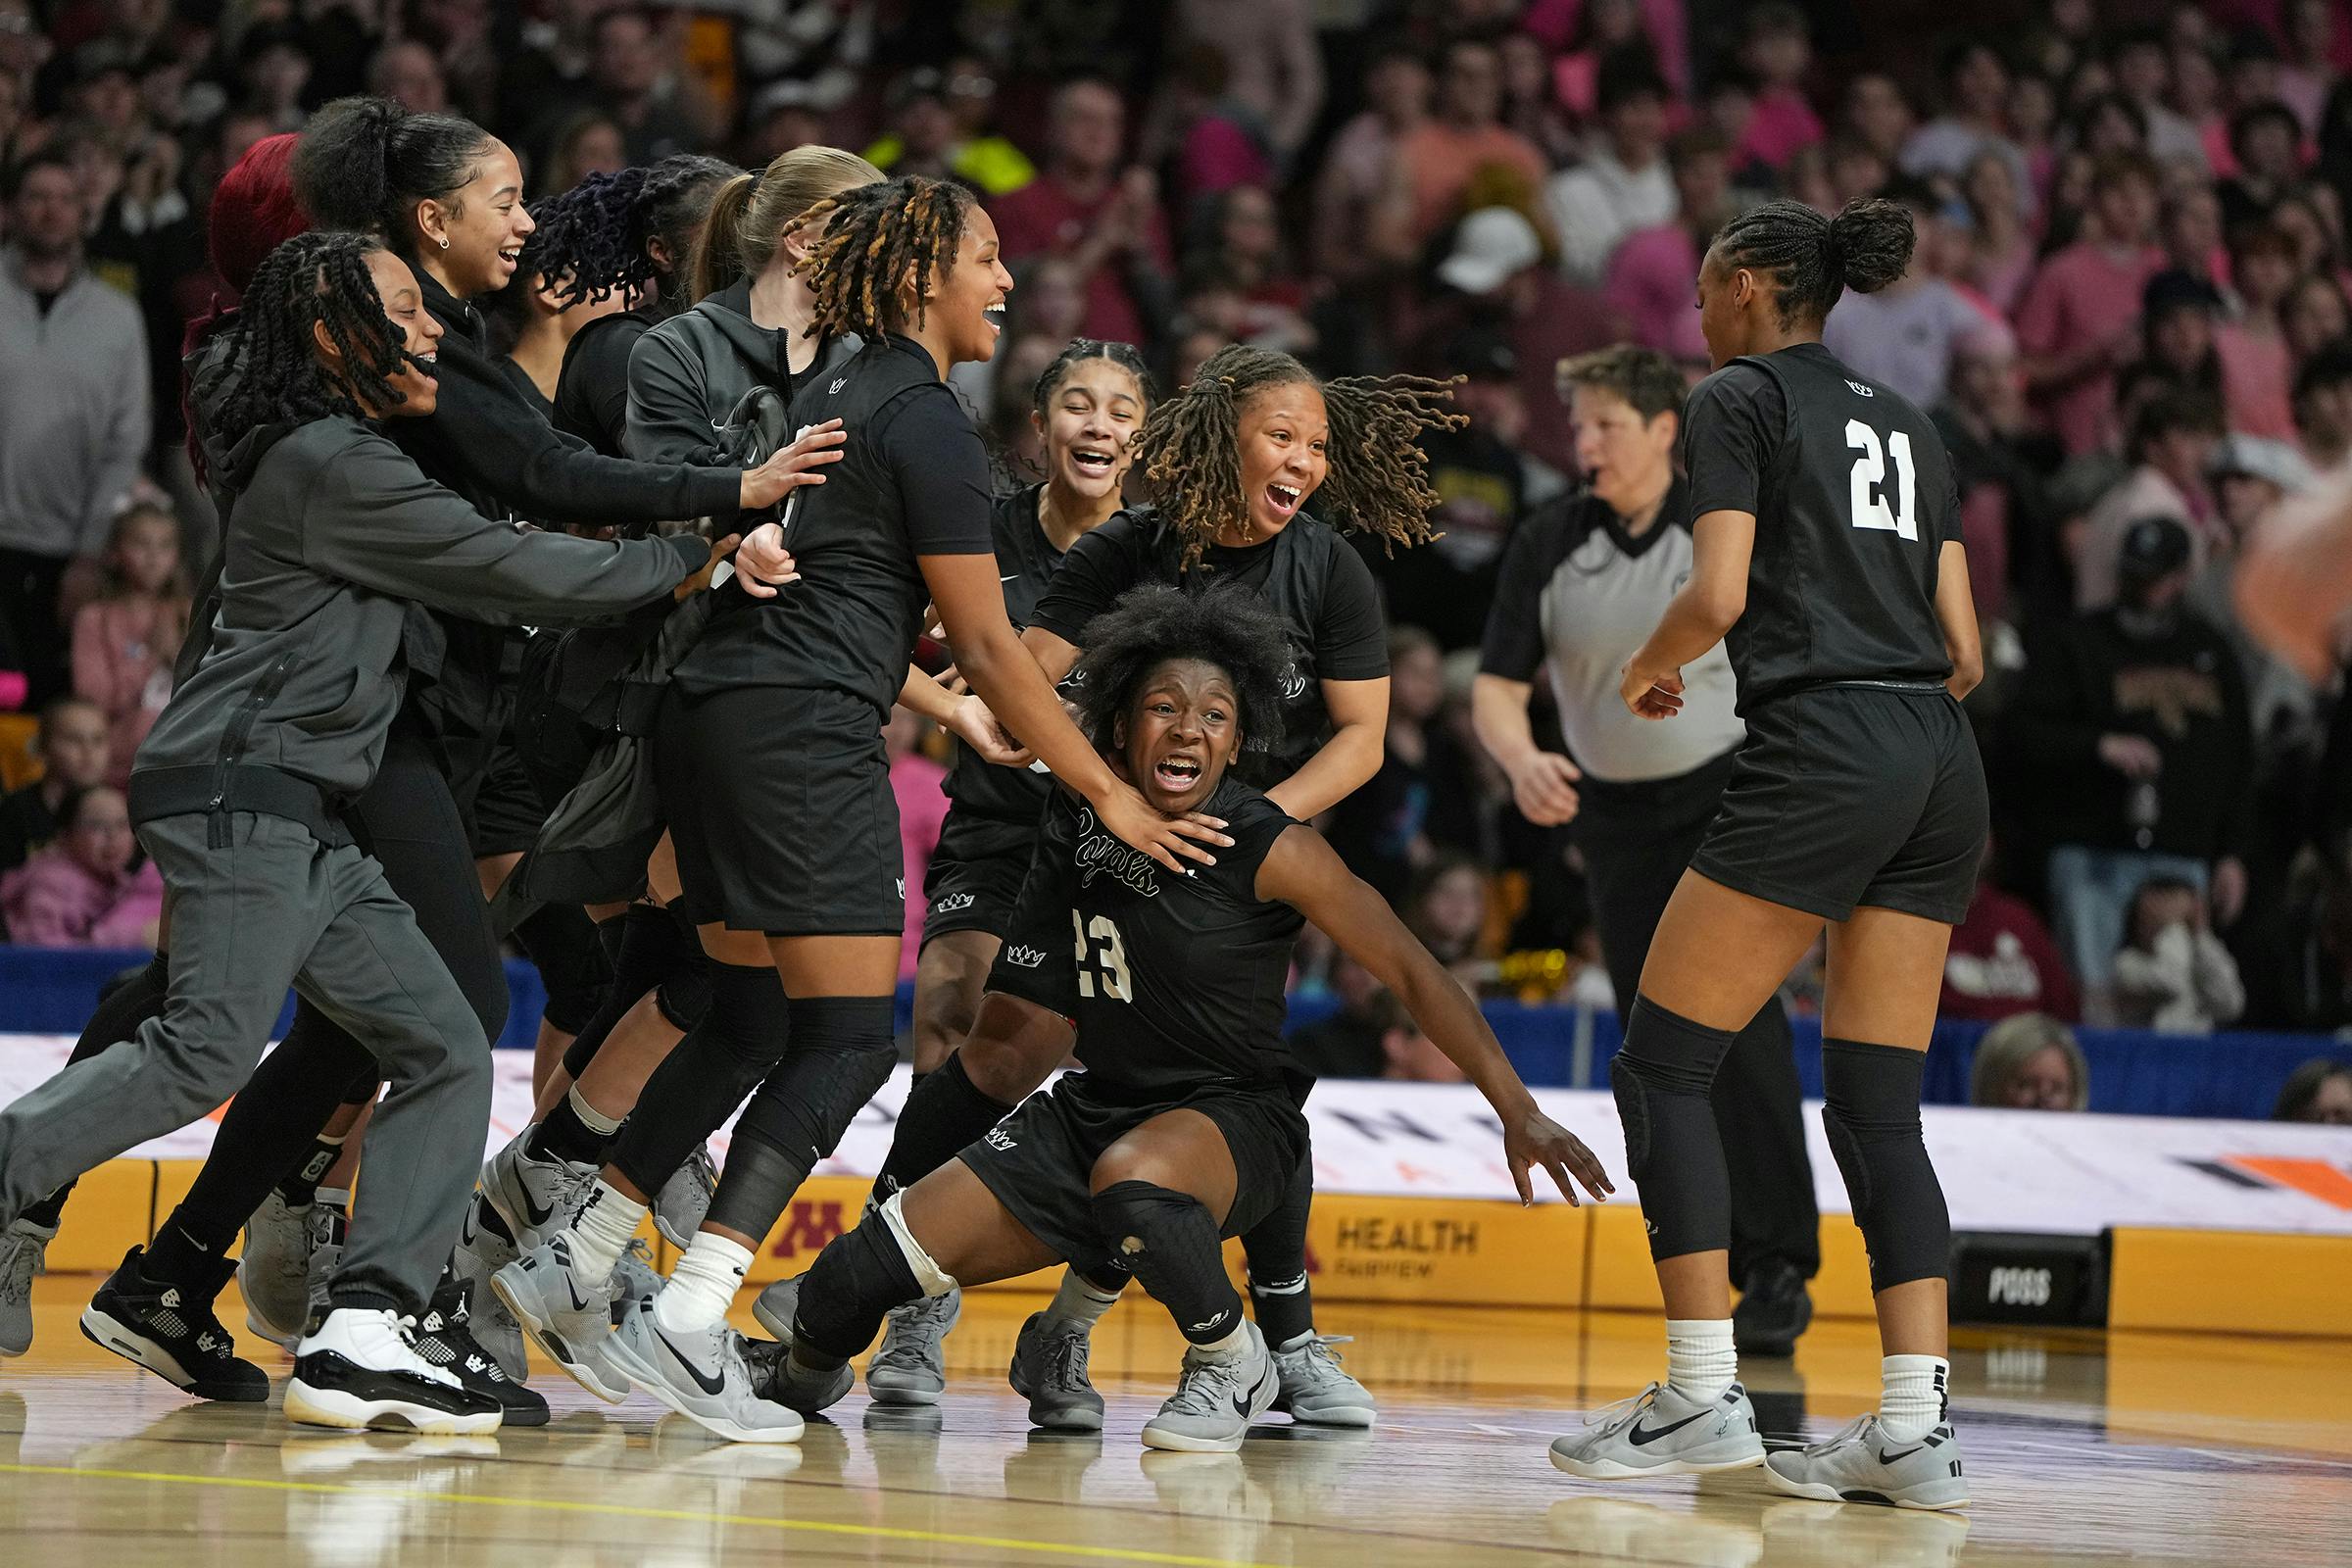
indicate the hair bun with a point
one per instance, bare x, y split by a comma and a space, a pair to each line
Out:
1869, 245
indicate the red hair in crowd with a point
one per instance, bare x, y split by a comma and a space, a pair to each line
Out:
253, 211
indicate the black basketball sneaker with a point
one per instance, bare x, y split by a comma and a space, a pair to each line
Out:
445, 1339
360, 1367
170, 1330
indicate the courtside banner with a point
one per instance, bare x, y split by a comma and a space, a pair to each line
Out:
2002, 1170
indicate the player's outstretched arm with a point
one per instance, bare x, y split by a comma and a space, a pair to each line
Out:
1304, 873
1701, 610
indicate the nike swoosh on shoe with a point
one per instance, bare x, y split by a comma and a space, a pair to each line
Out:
714, 1387
1637, 1437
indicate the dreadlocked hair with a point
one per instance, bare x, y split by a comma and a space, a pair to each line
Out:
872, 237
274, 369
1813, 258
1190, 448
1230, 627
597, 239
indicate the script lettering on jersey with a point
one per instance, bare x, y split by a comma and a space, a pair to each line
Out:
1101, 854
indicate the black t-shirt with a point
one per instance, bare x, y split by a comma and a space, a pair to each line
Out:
1853, 500
592, 394
1183, 982
1025, 560
1307, 574
525, 387
913, 482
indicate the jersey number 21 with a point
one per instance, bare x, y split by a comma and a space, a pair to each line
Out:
1870, 473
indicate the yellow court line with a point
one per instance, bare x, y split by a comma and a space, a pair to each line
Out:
936, 1537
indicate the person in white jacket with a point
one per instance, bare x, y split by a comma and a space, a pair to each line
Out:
2173, 974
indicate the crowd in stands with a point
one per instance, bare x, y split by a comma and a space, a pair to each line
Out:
2127, 311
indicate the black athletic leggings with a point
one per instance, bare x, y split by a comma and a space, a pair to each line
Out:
409, 820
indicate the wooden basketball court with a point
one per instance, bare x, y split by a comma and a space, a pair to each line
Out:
2169, 1449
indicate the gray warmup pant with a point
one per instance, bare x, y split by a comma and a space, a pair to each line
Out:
275, 908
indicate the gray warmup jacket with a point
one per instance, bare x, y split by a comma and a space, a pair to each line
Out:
337, 529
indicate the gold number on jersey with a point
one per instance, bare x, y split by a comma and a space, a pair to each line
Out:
1870, 473
1111, 957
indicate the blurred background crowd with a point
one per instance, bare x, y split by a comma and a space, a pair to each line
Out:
2127, 311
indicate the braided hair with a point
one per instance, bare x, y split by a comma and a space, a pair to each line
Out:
1126, 355
1231, 628
1190, 448
274, 371
364, 164
872, 237
597, 238
1813, 259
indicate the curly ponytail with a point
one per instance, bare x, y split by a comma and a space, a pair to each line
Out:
1190, 448
364, 163
1813, 259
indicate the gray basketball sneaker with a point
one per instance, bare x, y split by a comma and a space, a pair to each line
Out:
566, 1314
684, 1201
1315, 1388
702, 1376
22, 1246
911, 1367
273, 1274
1215, 1399
1863, 1464
1659, 1432
482, 1250
534, 1197
1049, 1370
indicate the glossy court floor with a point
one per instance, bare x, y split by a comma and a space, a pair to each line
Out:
2158, 1449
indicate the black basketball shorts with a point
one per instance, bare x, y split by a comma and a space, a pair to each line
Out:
976, 873
1039, 1160
780, 811
1851, 796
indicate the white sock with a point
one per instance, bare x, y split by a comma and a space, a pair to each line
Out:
595, 1120
1079, 1301
603, 1229
337, 1198
1911, 1398
1700, 1362
703, 1286
1233, 1345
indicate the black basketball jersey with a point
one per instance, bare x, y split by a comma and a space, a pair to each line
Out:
913, 481
1307, 574
1182, 981
1853, 499
1025, 561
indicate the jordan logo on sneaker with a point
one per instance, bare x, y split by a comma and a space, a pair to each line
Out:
1639, 1438
714, 1387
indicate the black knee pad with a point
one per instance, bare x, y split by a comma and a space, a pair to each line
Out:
685, 992
854, 1282
1171, 1242
842, 1052
1672, 1148
562, 941
1870, 1114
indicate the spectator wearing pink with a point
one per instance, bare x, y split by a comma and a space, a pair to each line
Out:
1622, 185
2003, 961
82, 891
2080, 320
2173, 438
2032, 114
1560, 25
918, 783
1084, 208
1999, 257
1438, 158
1603, 28
2190, 231
1650, 277
1217, 142
1358, 164
126, 640
2317, 39
1272, 66
1777, 51
2258, 369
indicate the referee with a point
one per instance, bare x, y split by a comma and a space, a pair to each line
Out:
1582, 584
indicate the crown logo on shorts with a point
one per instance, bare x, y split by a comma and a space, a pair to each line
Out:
1024, 958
